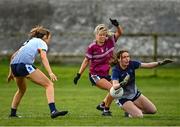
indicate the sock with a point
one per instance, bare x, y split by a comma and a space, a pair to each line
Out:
13, 112
52, 107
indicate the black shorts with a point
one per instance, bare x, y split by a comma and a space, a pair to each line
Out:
95, 78
21, 69
121, 101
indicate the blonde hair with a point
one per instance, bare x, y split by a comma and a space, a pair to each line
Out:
102, 28
39, 32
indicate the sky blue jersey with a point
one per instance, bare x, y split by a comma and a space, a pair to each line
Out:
27, 53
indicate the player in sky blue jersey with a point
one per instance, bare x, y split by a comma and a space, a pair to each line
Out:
132, 101
22, 68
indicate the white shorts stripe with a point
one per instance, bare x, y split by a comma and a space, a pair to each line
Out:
95, 78
29, 68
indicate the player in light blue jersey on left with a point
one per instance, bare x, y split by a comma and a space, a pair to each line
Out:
22, 68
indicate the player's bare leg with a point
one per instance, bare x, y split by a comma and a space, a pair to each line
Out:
145, 105
21, 83
41, 79
106, 85
132, 109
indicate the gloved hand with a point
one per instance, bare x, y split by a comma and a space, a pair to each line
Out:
114, 22
165, 61
77, 78
125, 81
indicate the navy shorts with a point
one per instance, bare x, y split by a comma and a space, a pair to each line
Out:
95, 78
121, 101
21, 69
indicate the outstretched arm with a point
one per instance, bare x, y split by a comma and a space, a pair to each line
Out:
149, 65
155, 64
81, 70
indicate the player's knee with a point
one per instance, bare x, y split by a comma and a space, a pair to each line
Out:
49, 84
22, 90
153, 111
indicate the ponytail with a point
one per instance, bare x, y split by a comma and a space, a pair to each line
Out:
39, 32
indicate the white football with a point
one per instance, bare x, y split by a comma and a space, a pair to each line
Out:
116, 93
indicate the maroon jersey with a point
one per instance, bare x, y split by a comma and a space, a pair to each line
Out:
100, 56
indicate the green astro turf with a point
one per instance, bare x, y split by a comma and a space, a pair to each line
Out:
163, 90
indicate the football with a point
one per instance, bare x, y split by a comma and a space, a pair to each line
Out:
116, 93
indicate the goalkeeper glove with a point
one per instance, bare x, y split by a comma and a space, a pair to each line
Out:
77, 78
165, 61
125, 81
114, 22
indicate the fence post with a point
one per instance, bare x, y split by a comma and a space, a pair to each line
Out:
155, 51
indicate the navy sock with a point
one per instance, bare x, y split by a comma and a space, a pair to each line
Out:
52, 107
13, 112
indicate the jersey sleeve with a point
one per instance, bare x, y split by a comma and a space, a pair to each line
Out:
115, 74
136, 64
89, 52
42, 45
